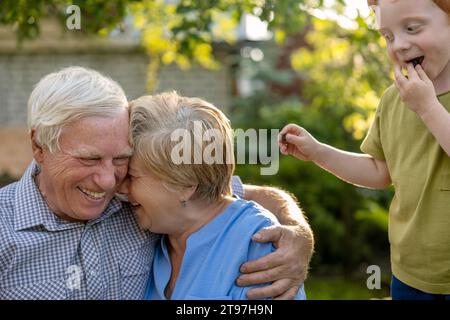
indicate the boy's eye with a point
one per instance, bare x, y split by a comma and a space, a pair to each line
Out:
412, 28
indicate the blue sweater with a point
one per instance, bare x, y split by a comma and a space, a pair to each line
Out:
213, 256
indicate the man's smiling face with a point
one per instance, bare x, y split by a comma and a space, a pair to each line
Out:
80, 179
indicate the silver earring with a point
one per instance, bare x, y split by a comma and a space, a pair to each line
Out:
184, 203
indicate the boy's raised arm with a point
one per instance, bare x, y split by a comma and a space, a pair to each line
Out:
355, 168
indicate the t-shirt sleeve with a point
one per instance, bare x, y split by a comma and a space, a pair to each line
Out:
256, 250
372, 142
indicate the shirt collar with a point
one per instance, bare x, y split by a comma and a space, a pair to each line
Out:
31, 209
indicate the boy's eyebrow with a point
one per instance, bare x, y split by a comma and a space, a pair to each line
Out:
414, 18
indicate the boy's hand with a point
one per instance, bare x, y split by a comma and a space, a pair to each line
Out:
416, 90
296, 141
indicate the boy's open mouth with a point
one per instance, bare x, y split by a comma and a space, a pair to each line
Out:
416, 61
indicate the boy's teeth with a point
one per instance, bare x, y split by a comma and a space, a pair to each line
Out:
93, 194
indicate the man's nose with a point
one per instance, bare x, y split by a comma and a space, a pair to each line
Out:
106, 177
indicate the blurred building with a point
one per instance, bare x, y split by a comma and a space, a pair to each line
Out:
119, 57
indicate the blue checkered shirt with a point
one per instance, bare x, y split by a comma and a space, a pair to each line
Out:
44, 257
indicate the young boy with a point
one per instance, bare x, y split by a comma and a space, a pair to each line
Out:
408, 145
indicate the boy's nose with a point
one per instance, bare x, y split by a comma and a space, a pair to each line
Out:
401, 44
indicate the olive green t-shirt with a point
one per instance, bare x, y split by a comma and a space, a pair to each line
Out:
419, 215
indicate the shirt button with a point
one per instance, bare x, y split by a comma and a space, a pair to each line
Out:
93, 273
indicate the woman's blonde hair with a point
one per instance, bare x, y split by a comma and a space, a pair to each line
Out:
154, 120
67, 95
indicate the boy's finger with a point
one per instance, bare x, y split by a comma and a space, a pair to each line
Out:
295, 140
412, 71
422, 74
291, 128
399, 77
284, 149
287, 149
280, 137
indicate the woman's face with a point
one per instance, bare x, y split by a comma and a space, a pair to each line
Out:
157, 208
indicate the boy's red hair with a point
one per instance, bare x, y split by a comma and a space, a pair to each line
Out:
443, 4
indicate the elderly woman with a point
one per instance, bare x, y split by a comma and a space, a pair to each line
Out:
182, 190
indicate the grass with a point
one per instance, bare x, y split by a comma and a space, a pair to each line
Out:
334, 287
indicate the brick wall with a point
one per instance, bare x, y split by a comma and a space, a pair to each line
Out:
21, 69
19, 72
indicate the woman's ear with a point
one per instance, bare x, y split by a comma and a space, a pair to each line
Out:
38, 151
184, 193
187, 193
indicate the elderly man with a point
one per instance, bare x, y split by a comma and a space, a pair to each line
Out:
63, 232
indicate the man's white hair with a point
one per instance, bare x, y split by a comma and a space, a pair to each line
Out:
68, 95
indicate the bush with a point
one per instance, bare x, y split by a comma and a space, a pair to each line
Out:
343, 237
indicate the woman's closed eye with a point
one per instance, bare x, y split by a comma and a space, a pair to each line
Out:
131, 176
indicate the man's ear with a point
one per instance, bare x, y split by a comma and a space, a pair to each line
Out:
38, 151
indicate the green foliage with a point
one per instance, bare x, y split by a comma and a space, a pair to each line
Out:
98, 16
343, 288
329, 203
347, 72
179, 32
196, 18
